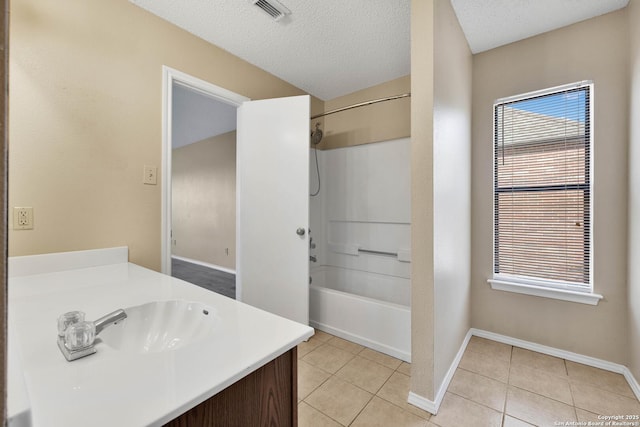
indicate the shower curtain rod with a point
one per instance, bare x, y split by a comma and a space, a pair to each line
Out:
362, 104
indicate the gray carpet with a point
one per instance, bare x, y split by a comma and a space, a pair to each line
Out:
214, 280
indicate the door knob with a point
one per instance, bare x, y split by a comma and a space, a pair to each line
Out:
300, 231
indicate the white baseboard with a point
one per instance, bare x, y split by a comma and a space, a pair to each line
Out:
633, 382
432, 406
422, 403
204, 264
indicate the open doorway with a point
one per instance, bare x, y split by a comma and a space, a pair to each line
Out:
272, 196
199, 187
203, 190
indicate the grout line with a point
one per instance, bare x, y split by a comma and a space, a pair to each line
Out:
519, 419
508, 385
484, 375
398, 406
506, 391
573, 400
362, 410
333, 375
319, 385
541, 395
477, 403
326, 415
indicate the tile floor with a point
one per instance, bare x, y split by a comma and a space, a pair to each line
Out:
344, 384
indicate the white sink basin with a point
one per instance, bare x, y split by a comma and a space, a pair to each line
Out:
161, 326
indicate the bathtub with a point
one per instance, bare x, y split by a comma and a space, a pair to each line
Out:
367, 308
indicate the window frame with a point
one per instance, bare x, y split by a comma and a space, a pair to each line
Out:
567, 291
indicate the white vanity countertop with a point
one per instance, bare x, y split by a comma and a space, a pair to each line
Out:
118, 388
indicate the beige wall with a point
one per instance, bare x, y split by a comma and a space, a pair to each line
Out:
372, 123
422, 298
85, 116
634, 191
451, 188
441, 69
596, 50
203, 180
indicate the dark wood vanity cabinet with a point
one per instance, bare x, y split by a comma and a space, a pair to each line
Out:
265, 397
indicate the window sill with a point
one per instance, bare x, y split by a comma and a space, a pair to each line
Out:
561, 294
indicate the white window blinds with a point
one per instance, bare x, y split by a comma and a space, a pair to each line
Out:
542, 188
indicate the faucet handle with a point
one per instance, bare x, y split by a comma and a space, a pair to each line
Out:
80, 335
67, 319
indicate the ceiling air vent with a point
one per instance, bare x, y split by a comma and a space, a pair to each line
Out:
274, 8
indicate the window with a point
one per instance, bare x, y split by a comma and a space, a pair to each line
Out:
542, 193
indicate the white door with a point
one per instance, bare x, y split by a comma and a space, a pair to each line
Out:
272, 260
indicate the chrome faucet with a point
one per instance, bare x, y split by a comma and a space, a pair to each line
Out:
109, 319
76, 336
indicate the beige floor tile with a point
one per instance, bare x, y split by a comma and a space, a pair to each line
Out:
405, 368
540, 382
380, 413
328, 358
457, 411
536, 409
309, 378
311, 417
339, 400
485, 364
603, 402
322, 336
543, 362
308, 346
479, 389
345, 345
586, 416
514, 422
365, 373
609, 381
495, 349
381, 358
396, 391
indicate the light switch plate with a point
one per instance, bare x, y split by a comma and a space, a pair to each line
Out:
150, 175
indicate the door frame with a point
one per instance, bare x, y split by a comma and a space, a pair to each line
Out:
169, 77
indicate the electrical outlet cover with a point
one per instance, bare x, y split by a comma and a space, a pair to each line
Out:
23, 218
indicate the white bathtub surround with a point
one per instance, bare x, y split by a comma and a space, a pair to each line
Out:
376, 246
433, 406
361, 226
367, 308
113, 386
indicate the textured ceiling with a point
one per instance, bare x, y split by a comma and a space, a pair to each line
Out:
491, 23
326, 47
331, 48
